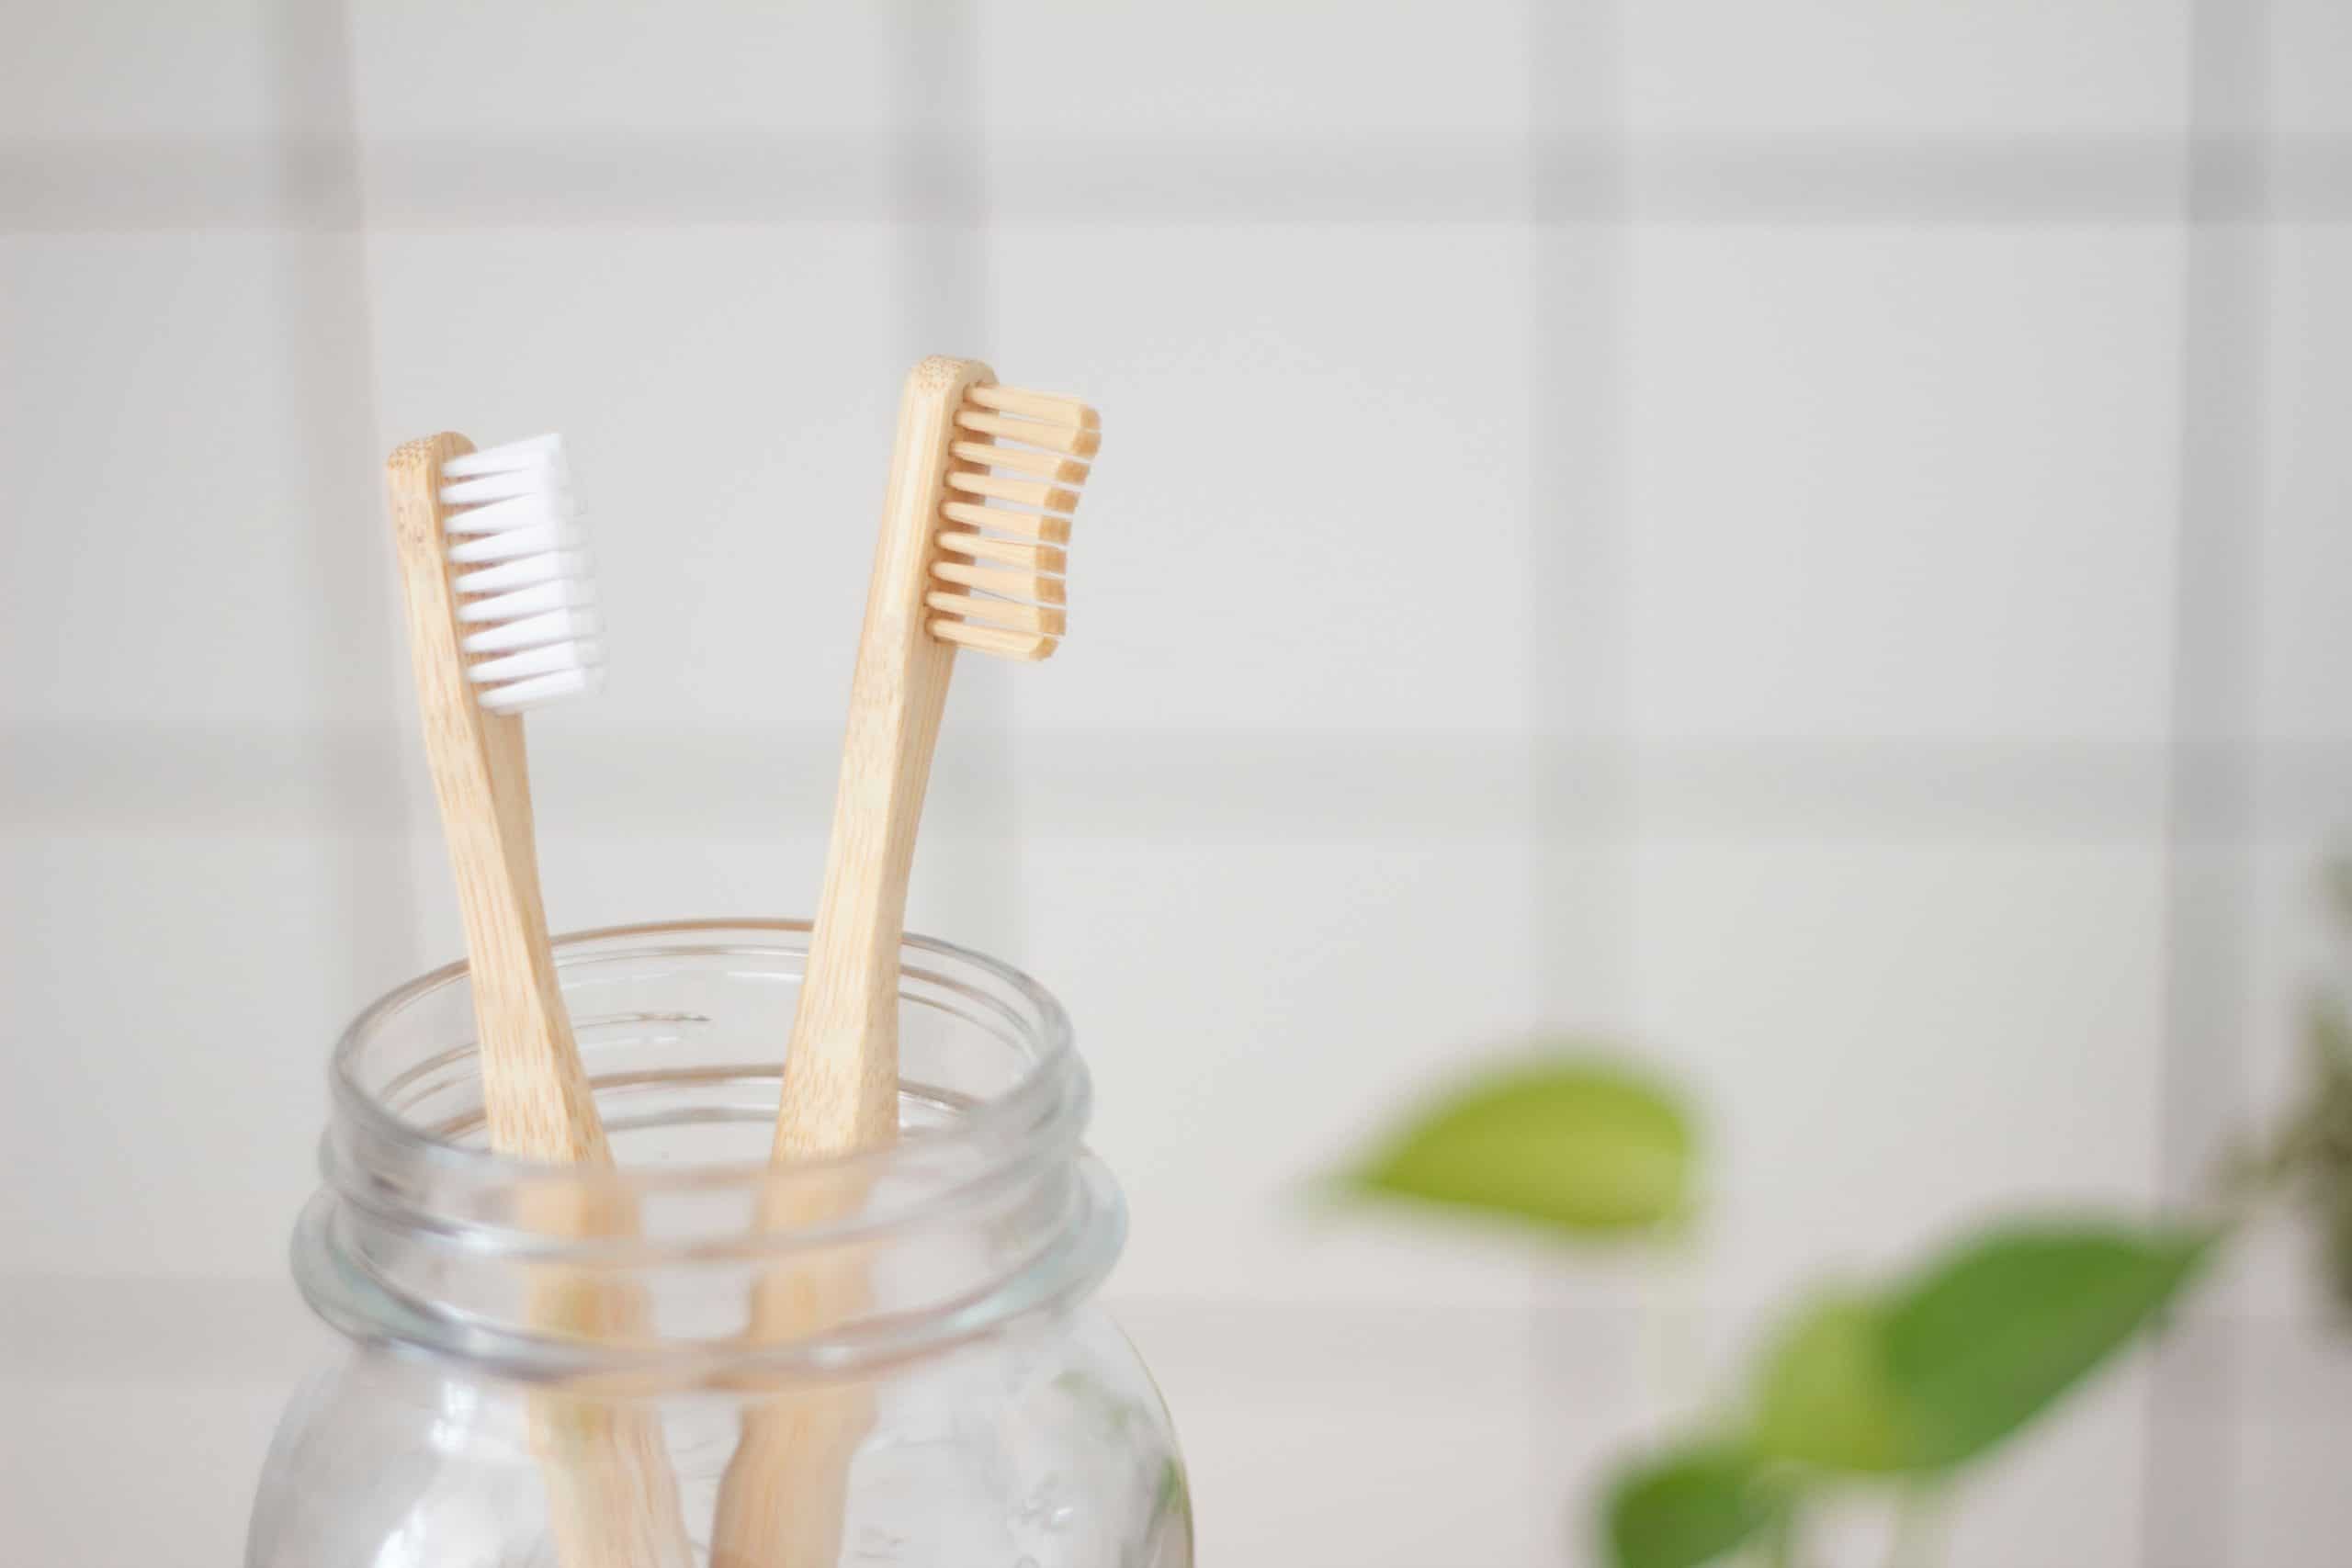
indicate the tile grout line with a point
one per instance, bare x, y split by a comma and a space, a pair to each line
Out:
1087, 780
89, 183
327, 317
1579, 807
974, 889
2189, 1470
132, 777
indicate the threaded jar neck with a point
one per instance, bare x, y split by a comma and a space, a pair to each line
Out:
986, 1212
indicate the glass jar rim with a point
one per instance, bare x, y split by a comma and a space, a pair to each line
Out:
1029, 1099
405, 1203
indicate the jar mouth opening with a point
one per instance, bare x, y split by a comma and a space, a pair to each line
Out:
1030, 1099
985, 1210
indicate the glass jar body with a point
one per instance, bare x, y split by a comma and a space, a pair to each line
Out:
525, 1389
1043, 1448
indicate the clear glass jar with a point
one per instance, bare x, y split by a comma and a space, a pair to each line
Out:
989, 1416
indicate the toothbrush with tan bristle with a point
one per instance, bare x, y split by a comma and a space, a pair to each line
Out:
983, 480
502, 618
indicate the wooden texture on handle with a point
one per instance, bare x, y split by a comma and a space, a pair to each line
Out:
534, 1092
612, 1501
841, 1070
782, 1502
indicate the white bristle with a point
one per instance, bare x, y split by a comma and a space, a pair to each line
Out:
529, 606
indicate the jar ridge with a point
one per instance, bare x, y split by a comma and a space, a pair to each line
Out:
988, 1208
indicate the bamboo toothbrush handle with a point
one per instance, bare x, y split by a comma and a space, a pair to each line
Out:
612, 1501
534, 1092
841, 1071
782, 1503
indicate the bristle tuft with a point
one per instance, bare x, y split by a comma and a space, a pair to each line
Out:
1025, 585
1019, 462
1047, 618
1043, 527
1043, 465
530, 606
1030, 647
1007, 552
1076, 441
1043, 407
1025, 492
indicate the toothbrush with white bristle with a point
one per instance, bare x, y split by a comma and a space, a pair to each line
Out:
532, 584
502, 618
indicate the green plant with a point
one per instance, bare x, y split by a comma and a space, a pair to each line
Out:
1897, 1384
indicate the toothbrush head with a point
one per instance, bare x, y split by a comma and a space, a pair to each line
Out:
525, 594
1016, 462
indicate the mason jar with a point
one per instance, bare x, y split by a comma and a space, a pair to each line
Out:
958, 1400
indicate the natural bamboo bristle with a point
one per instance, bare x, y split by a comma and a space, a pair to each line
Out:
1044, 527
1044, 465
1027, 492
1076, 441
1041, 406
989, 640
1012, 490
1007, 552
1045, 618
1025, 585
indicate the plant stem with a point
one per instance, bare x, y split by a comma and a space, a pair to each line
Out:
1917, 1537
1668, 1343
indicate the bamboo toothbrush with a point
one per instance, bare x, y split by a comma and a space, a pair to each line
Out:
983, 479
502, 618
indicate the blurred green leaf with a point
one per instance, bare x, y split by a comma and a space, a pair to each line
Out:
1989, 1338
1946, 1364
1587, 1147
2313, 1152
1824, 1397
1689, 1508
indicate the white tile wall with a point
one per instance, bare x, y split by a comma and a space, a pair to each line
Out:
548, 70
1339, 548
120, 69
1293, 1042
1907, 69
1895, 483
2307, 50
184, 989
2069, 1491
2302, 546
726, 444
1228, 70
198, 1440
1307, 1414
161, 537
1893, 1038
2290, 1506
1750, 628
